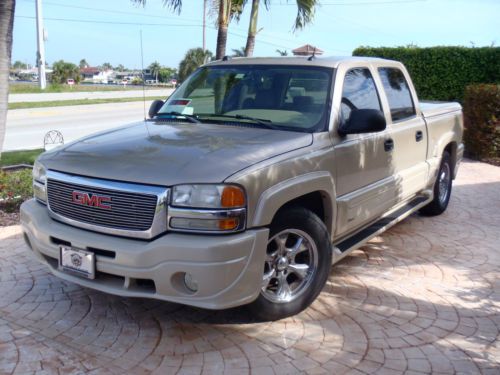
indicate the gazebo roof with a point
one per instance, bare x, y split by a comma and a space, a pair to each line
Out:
307, 50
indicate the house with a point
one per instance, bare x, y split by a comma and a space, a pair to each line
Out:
307, 50
95, 75
130, 75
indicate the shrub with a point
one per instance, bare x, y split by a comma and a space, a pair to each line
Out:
442, 73
15, 188
482, 121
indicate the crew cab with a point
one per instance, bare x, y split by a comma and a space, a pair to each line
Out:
247, 184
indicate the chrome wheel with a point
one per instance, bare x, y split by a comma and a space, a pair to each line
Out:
444, 183
291, 263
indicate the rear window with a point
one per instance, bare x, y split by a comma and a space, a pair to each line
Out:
398, 93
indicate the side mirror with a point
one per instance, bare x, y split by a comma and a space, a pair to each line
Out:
155, 107
363, 121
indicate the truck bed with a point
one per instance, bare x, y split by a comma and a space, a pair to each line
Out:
434, 108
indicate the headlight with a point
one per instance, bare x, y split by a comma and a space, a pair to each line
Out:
207, 208
208, 196
40, 182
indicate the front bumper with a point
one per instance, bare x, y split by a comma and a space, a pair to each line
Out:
227, 268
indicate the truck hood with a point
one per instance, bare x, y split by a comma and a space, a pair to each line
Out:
169, 154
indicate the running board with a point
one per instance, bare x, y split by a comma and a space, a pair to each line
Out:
344, 247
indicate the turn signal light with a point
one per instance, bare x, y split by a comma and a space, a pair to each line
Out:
228, 224
232, 196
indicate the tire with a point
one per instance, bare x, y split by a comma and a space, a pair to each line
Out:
298, 262
442, 189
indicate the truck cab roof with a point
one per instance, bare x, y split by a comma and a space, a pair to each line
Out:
329, 62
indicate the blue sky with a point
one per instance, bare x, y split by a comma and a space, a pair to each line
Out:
112, 35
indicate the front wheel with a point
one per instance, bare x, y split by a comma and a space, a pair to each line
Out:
442, 189
297, 264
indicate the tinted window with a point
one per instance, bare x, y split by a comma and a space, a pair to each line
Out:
398, 93
359, 92
288, 97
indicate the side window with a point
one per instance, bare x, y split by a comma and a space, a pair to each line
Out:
359, 92
398, 93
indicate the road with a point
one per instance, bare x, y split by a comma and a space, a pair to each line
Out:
26, 128
16, 98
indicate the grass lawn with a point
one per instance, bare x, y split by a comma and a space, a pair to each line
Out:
61, 103
19, 157
32, 88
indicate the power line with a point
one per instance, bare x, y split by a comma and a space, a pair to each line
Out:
150, 24
111, 11
144, 24
111, 22
395, 2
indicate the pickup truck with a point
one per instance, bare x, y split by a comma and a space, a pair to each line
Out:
246, 185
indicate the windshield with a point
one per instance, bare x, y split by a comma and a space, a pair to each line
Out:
283, 97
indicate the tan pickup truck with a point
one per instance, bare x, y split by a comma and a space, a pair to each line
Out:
246, 185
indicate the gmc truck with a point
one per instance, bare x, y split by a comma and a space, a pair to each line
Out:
246, 185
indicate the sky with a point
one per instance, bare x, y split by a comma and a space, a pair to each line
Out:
109, 30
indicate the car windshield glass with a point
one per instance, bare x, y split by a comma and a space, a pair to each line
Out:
284, 97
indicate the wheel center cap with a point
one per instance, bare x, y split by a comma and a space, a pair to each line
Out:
282, 264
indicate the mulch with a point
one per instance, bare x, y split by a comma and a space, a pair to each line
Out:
9, 218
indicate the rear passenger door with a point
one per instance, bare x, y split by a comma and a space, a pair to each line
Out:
365, 184
408, 132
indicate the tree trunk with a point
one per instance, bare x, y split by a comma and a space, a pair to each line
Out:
223, 21
7, 8
252, 28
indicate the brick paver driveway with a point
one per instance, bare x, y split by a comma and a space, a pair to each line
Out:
424, 297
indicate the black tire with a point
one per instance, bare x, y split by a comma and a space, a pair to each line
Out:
442, 189
300, 229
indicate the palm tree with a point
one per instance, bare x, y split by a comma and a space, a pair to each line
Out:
83, 64
107, 66
239, 52
223, 24
282, 52
193, 58
7, 8
175, 5
305, 15
155, 67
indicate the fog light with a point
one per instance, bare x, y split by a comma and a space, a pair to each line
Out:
190, 282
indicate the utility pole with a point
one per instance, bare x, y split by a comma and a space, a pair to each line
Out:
204, 23
40, 54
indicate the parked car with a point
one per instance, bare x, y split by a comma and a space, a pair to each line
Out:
246, 184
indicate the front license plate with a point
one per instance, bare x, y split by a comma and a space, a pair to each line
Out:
80, 262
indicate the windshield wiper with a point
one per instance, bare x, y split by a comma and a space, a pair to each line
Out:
190, 118
265, 123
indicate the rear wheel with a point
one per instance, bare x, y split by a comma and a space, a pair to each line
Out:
297, 264
442, 189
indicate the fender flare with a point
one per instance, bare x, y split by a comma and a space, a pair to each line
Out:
272, 199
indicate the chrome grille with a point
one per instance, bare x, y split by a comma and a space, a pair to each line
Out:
130, 211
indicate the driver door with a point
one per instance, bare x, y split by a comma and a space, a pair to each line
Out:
365, 184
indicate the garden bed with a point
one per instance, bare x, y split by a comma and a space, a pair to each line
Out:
15, 188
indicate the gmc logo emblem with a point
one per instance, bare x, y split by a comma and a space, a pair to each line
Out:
91, 200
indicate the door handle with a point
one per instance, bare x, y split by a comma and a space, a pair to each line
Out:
389, 144
419, 135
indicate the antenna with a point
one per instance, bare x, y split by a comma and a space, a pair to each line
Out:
143, 82
313, 55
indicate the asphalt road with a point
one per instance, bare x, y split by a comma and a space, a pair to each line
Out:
16, 98
26, 128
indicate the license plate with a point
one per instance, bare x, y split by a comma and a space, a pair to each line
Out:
80, 262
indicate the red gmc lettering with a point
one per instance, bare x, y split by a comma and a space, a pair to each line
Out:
93, 200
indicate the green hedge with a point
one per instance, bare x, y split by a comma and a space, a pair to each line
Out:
442, 73
482, 121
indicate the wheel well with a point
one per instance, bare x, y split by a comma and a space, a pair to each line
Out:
451, 148
315, 202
